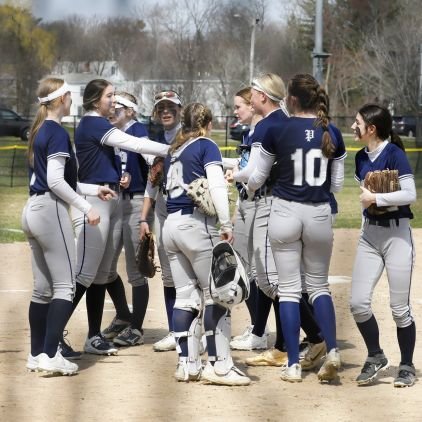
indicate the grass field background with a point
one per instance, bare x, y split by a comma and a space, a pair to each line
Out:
14, 191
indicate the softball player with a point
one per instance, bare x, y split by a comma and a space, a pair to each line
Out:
167, 109
385, 242
310, 161
126, 328
189, 236
97, 141
243, 220
47, 225
267, 105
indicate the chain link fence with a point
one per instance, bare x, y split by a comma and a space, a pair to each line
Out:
13, 158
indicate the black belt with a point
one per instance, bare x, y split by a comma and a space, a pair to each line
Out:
381, 223
112, 186
187, 210
38, 193
131, 195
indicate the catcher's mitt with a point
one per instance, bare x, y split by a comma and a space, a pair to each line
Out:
156, 171
384, 181
199, 192
145, 253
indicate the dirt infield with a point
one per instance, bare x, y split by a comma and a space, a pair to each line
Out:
138, 383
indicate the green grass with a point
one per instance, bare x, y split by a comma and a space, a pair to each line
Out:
12, 203
14, 198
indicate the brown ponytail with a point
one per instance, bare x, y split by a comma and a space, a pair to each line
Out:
194, 119
396, 140
312, 97
323, 119
47, 86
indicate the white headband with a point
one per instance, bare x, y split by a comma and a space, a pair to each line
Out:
55, 94
126, 103
256, 85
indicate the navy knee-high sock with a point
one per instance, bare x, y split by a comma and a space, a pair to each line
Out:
371, 335
80, 291
182, 321
37, 316
140, 297
213, 314
279, 340
169, 299
252, 300
326, 318
407, 339
95, 297
117, 293
308, 322
290, 323
263, 307
58, 315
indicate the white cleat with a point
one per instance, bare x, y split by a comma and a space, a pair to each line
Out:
182, 373
250, 342
291, 373
165, 344
330, 367
32, 363
56, 365
235, 377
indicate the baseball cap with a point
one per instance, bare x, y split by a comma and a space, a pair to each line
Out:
169, 95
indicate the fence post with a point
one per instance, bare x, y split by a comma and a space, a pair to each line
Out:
13, 167
226, 140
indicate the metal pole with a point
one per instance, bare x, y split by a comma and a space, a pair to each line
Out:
252, 52
13, 167
318, 60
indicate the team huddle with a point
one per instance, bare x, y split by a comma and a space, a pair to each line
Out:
119, 183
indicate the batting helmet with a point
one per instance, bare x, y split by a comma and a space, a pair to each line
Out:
229, 284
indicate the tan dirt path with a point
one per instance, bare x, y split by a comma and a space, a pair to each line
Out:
138, 384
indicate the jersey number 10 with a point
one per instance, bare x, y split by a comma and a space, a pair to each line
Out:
310, 177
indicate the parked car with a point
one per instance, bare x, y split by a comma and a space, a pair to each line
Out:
11, 124
237, 130
405, 125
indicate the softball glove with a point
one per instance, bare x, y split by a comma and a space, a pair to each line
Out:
156, 171
381, 181
199, 192
145, 254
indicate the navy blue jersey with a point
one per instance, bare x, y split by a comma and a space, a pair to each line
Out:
135, 163
98, 163
158, 136
245, 149
391, 158
186, 165
303, 173
271, 123
51, 141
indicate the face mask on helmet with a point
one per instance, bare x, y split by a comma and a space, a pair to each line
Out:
229, 284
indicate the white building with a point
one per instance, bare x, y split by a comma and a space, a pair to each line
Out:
77, 75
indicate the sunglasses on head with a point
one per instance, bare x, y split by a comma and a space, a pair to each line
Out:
242, 148
166, 94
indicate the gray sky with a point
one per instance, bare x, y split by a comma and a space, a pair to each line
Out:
59, 9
